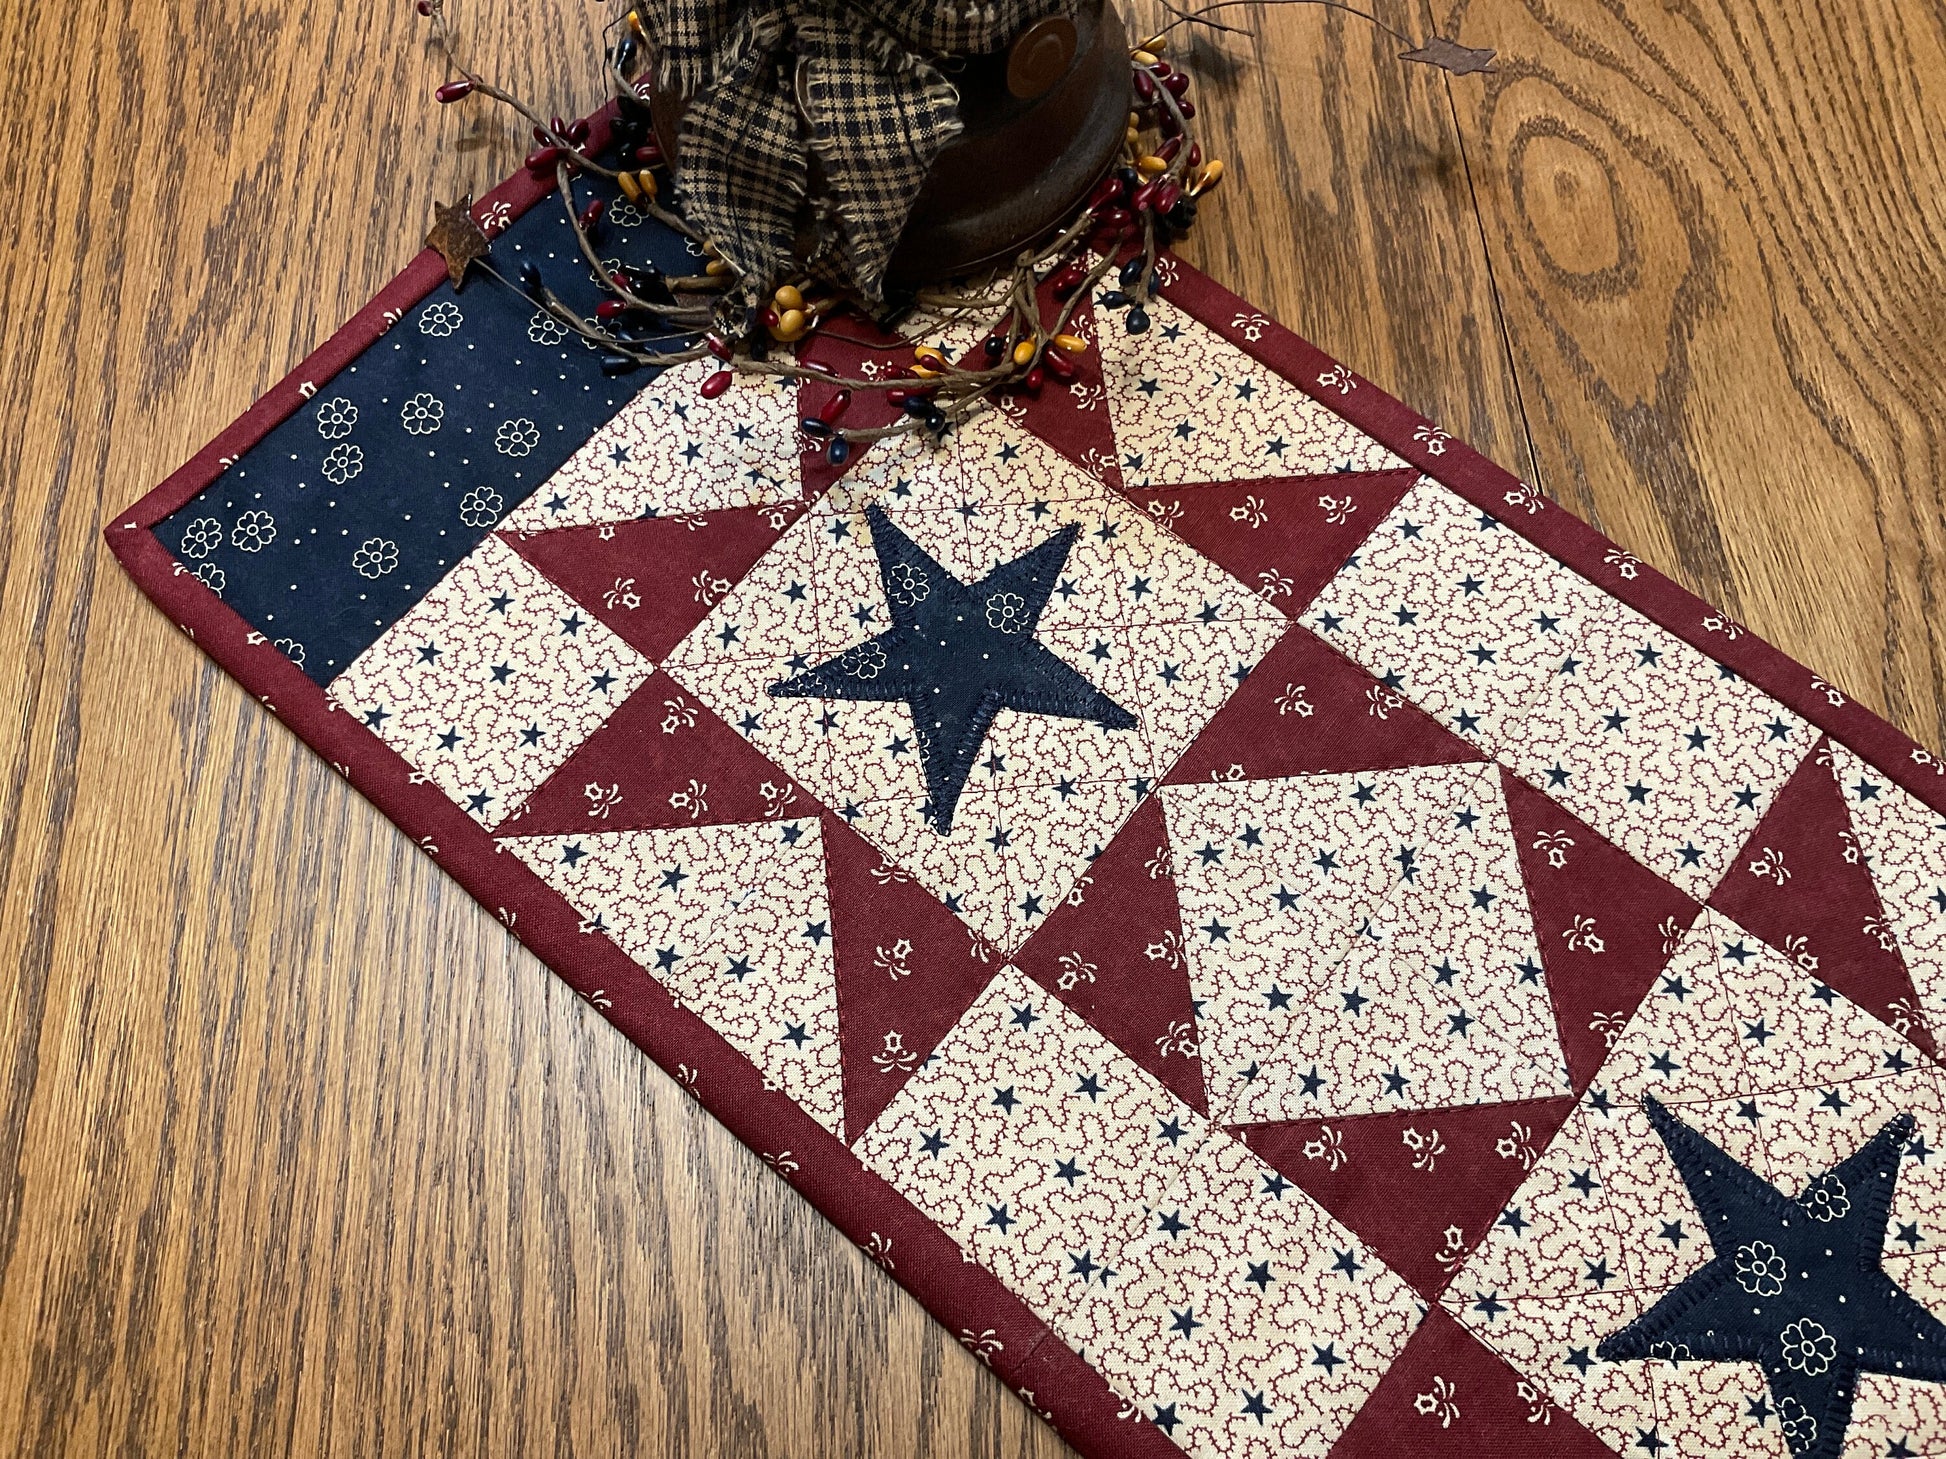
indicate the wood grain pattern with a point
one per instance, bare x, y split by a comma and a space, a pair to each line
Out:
298, 1152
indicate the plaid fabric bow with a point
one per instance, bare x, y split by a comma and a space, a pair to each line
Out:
876, 109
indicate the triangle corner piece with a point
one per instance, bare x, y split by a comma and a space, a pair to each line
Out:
1606, 925
1802, 884
1306, 709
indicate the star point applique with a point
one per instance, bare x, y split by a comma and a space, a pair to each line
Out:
1796, 1286
957, 654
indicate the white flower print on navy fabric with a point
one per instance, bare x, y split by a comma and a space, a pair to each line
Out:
336, 417
516, 437
481, 507
211, 577
1808, 1347
375, 557
1760, 1270
344, 462
422, 414
440, 318
1007, 612
1826, 1199
202, 537
291, 649
395, 447
254, 531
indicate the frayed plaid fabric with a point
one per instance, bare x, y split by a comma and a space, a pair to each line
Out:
876, 108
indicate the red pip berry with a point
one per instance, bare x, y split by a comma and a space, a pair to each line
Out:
542, 158
1057, 364
454, 91
1176, 84
834, 407
1108, 190
715, 385
1034, 379
592, 214
649, 154
580, 131
609, 308
718, 346
424, 7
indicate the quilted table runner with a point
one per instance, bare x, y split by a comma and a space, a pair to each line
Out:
1283, 939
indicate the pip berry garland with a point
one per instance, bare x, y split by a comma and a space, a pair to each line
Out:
1145, 202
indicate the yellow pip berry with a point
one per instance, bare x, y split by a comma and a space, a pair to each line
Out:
1144, 57
1149, 166
1210, 176
631, 189
1155, 45
787, 298
1072, 344
646, 182
1024, 353
925, 354
791, 324
716, 268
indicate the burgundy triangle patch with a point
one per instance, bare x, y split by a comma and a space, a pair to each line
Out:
1112, 951
1400, 1181
1309, 710
1070, 415
655, 578
1801, 884
1448, 1396
1605, 923
661, 760
1284, 536
907, 969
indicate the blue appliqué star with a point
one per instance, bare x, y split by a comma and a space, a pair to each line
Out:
1796, 1286
957, 654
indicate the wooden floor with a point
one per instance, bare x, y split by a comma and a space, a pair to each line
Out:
299, 1153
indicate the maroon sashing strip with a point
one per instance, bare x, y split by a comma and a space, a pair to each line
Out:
972, 1304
